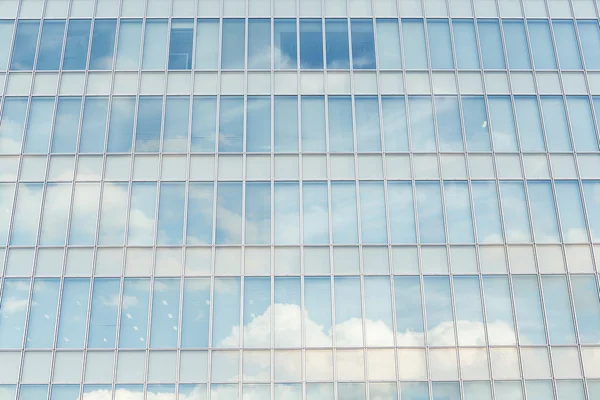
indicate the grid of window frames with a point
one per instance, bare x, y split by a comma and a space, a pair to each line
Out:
312, 200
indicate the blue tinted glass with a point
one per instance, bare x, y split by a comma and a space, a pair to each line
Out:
316, 221
445, 391
149, 120
12, 124
438, 309
258, 213
6, 31
103, 44
343, 210
155, 44
465, 44
33, 392
103, 318
539, 390
207, 44
317, 303
73, 313
422, 129
458, 211
593, 388
122, 118
429, 211
25, 44
409, 314
226, 311
142, 210
287, 213
170, 214
313, 123
231, 124
508, 390
516, 217
440, 45
530, 125
195, 312
347, 294
372, 209
587, 308
93, 127
286, 45
286, 124
572, 390
233, 50
543, 215
447, 115
541, 44
181, 44
113, 213
200, 211
177, 118
528, 307
582, 123
134, 314
53, 32
229, 212
476, 126
498, 310
164, 331
258, 124
517, 49
590, 188
503, 129
415, 54
14, 302
66, 125
477, 391
388, 44
84, 220
589, 36
27, 214
56, 214
402, 216
558, 310
7, 191
363, 44
257, 300
42, 315
311, 44
130, 44
572, 220
340, 124
337, 44
467, 301
368, 137
395, 128
414, 391
76, 47
204, 124
259, 44
65, 392
39, 125
566, 44
490, 40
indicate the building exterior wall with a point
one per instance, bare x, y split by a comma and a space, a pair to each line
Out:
311, 200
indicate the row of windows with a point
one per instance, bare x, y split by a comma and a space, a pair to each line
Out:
432, 310
272, 213
305, 44
263, 124
471, 390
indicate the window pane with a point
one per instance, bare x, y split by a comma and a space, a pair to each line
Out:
149, 121
56, 214
76, 47
421, 124
130, 44
558, 310
587, 308
529, 122
440, 45
39, 126
286, 124
103, 44
582, 124
340, 124
204, 124
259, 44
12, 125
313, 123
541, 44
195, 313
233, 54
258, 124
503, 128
231, 124
476, 126
25, 44
517, 50
155, 44
555, 124
402, 216
257, 306
348, 312
458, 212
590, 190
363, 44
415, 54
207, 44
6, 201
490, 40
528, 307
345, 219
226, 312
103, 319
177, 116
409, 316
170, 214
498, 311
311, 44
316, 219
566, 44
73, 313
388, 44
84, 214
15, 292
429, 211
286, 47
113, 214
287, 213
543, 215
372, 208
589, 36
229, 213
27, 214
287, 302
465, 44
134, 314
395, 129
6, 31
448, 121
258, 213
337, 45
438, 310
120, 131
142, 214
165, 313
317, 304
368, 137
516, 217
469, 311
181, 44
570, 209
51, 42
93, 127
66, 125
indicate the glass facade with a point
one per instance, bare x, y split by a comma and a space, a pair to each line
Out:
299, 200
